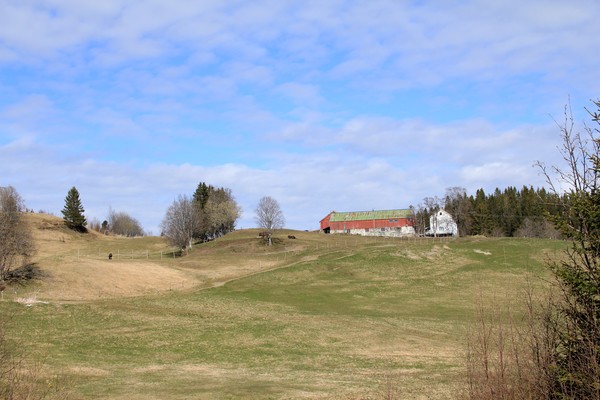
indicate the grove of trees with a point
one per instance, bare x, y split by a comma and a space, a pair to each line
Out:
208, 214
217, 211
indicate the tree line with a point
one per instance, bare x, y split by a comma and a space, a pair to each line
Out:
510, 212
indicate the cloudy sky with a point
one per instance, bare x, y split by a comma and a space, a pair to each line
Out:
323, 105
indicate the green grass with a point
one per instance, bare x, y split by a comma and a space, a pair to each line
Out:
336, 325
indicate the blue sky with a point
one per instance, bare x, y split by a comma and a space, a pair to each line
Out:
323, 105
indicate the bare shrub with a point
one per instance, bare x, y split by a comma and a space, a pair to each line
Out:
508, 352
94, 225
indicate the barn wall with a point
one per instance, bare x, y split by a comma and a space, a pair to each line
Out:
370, 224
325, 222
388, 232
395, 227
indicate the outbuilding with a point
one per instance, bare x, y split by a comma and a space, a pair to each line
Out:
394, 223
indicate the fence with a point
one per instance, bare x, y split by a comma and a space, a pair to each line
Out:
118, 254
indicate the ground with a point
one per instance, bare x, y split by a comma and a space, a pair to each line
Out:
320, 316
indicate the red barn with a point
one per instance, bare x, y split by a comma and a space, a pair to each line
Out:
370, 223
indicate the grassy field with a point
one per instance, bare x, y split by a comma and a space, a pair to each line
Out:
320, 316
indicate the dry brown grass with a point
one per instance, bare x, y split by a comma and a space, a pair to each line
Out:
77, 268
76, 265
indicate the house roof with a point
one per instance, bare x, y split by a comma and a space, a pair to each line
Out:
369, 215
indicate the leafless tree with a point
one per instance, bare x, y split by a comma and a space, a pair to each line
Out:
121, 223
269, 214
16, 242
180, 222
222, 215
458, 205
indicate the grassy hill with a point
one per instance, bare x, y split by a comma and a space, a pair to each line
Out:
319, 316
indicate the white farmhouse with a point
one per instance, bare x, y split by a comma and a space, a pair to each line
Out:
442, 224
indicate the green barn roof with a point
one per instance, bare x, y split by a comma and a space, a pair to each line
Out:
369, 215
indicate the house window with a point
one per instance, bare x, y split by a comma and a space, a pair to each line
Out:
366, 229
382, 229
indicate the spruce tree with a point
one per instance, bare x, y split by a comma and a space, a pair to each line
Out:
73, 211
574, 367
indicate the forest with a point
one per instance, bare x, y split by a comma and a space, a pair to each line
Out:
512, 212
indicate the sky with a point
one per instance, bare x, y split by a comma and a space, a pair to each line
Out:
322, 105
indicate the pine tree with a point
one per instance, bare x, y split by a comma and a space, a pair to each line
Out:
73, 211
202, 194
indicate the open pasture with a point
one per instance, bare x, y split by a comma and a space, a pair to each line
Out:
327, 317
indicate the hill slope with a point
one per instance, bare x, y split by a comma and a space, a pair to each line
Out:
338, 317
76, 265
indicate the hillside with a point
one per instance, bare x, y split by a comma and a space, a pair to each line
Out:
76, 265
316, 317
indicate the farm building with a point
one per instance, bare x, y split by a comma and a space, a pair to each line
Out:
442, 224
370, 223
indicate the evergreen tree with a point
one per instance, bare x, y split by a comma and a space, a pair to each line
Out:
574, 370
73, 211
481, 218
202, 193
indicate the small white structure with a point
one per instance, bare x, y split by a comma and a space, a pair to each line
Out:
442, 224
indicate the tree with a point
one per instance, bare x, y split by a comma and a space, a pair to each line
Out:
180, 222
202, 194
73, 211
122, 223
16, 242
574, 370
269, 214
458, 205
217, 211
222, 211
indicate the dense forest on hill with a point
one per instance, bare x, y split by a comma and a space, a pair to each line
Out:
509, 212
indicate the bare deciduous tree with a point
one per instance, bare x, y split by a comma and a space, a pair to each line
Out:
458, 205
16, 242
269, 214
121, 223
180, 222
